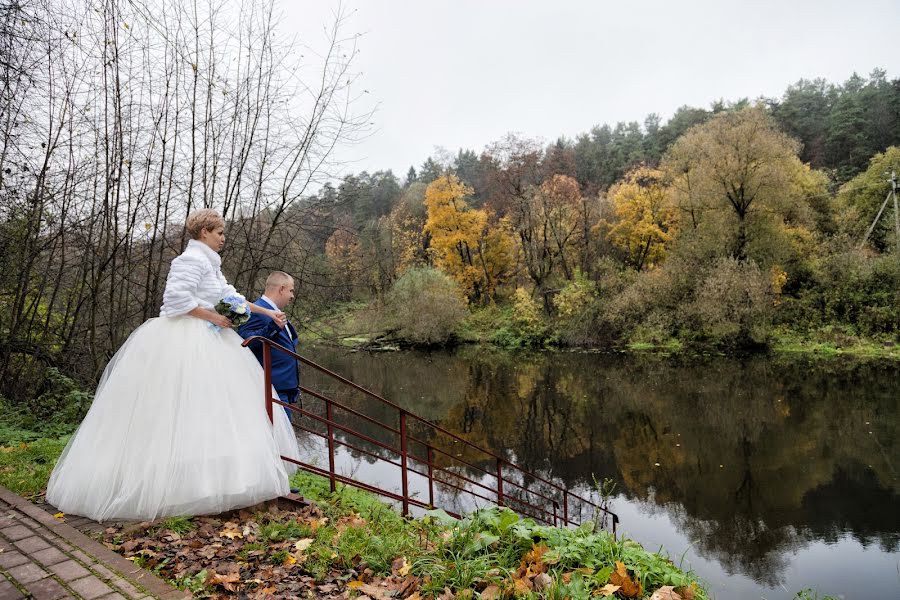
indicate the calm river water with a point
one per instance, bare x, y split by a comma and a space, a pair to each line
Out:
765, 476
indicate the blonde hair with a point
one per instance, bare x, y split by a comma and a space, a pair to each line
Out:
205, 218
277, 278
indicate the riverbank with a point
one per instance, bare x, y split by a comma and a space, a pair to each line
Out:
357, 326
351, 543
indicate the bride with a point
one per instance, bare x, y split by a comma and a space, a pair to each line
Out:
178, 425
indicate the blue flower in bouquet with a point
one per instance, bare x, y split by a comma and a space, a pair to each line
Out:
235, 308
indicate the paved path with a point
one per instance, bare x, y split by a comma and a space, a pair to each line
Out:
44, 558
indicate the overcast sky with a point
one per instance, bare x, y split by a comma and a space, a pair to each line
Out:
462, 73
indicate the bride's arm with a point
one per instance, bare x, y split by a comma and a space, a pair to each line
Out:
256, 308
211, 316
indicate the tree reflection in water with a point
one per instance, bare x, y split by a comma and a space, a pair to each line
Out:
757, 457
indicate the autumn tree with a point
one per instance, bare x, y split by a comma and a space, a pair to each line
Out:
738, 164
645, 218
409, 241
862, 197
558, 208
478, 256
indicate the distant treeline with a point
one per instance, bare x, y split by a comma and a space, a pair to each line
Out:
715, 225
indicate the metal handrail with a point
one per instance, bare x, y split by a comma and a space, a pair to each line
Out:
501, 466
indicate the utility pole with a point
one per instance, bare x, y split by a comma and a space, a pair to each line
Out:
891, 195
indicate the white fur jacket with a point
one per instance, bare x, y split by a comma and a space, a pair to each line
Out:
195, 279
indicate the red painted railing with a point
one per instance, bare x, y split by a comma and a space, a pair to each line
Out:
459, 465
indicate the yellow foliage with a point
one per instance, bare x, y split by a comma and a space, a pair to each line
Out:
645, 217
463, 244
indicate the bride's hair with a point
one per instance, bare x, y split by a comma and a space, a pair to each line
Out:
205, 218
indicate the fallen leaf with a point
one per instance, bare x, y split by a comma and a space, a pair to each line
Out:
627, 587
522, 586
542, 581
491, 592
408, 586
687, 592
400, 567
61, 516
609, 589
666, 592
224, 579
231, 532
375, 592
302, 545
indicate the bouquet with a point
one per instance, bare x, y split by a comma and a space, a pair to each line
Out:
235, 308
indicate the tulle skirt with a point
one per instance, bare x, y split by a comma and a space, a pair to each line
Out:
178, 426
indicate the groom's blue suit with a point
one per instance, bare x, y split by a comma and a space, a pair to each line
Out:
285, 376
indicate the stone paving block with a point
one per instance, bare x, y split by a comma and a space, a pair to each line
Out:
29, 522
103, 571
49, 556
8, 591
126, 587
27, 573
114, 596
46, 589
16, 532
57, 541
69, 570
12, 559
90, 587
86, 559
7, 521
32, 544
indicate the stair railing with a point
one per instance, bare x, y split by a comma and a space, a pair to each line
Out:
417, 449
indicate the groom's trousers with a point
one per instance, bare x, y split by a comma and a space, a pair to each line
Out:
289, 397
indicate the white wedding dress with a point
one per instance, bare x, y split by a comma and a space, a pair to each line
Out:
178, 425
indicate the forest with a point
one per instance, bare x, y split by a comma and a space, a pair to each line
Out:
726, 227
719, 227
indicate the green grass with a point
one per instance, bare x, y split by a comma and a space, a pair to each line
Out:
486, 547
25, 467
180, 525
829, 343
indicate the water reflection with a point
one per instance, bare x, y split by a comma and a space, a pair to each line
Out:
751, 460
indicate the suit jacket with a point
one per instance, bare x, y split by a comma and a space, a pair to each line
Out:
285, 374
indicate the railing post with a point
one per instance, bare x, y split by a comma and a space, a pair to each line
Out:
267, 380
331, 473
565, 508
403, 453
555, 512
430, 455
500, 482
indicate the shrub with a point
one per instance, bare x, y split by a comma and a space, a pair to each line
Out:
56, 411
733, 304
574, 299
522, 325
424, 307
852, 289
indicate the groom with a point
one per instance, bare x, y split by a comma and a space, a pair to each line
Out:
285, 375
